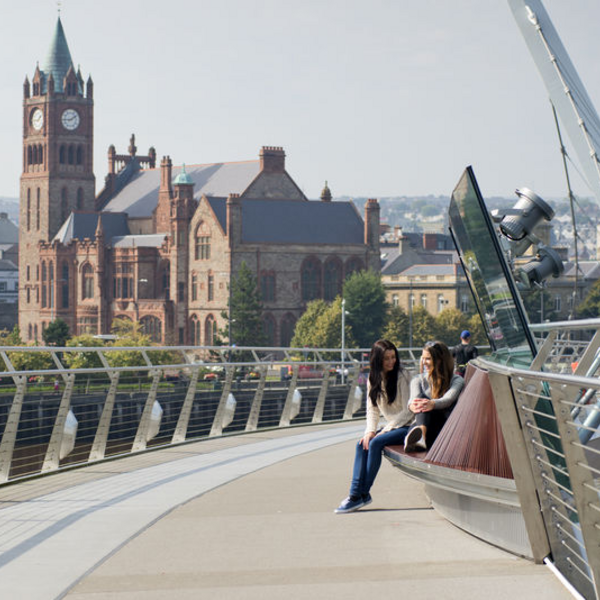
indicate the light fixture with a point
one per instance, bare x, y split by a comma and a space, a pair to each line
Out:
546, 262
519, 223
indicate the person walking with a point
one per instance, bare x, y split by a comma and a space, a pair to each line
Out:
387, 395
432, 396
464, 352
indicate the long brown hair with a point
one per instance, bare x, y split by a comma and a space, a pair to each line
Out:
376, 378
442, 368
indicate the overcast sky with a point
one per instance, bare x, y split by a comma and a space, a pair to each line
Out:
379, 97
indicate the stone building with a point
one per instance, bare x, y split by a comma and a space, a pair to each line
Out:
160, 245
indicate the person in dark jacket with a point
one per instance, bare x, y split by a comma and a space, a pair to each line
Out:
464, 352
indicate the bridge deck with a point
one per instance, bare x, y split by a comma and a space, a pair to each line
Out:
246, 517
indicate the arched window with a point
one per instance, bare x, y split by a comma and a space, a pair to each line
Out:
51, 284
152, 327
41, 154
352, 265
288, 324
202, 242
71, 154
62, 155
87, 282
164, 278
268, 326
194, 287
30, 331
79, 198
210, 331
311, 279
332, 279
29, 155
37, 209
64, 285
35, 332
210, 287
34, 158
28, 209
267, 286
195, 338
79, 155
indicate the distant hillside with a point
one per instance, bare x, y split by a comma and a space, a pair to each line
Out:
10, 206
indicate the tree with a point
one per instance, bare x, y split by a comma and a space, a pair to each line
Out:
23, 361
244, 322
83, 360
590, 307
532, 300
396, 327
424, 327
449, 324
304, 333
365, 302
57, 333
128, 333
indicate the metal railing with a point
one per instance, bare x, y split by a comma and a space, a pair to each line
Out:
60, 416
550, 424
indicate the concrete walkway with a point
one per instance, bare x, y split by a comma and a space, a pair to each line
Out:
248, 517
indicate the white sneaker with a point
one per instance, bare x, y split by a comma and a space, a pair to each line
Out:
414, 439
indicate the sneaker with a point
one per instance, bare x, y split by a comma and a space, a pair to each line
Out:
413, 437
349, 505
367, 500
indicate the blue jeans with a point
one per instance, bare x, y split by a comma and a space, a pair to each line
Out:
367, 462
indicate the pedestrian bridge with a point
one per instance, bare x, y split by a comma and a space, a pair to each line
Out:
149, 481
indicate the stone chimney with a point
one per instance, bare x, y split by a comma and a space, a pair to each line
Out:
372, 224
234, 220
272, 159
430, 241
166, 166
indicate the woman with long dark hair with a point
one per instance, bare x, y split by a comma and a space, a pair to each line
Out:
432, 395
387, 395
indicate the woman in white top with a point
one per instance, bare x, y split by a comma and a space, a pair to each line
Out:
387, 395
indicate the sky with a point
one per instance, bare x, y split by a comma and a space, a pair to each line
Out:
380, 98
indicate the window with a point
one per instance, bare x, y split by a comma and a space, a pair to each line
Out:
28, 272
62, 155
210, 331
441, 302
79, 159
180, 291
37, 210
424, 300
194, 287
557, 303
64, 285
71, 155
3, 286
202, 242
353, 265
28, 295
210, 287
395, 301
195, 338
288, 324
51, 285
310, 278
28, 210
152, 327
332, 279
268, 325
165, 279
464, 303
79, 199
123, 281
87, 282
87, 325
411, 301
267, 286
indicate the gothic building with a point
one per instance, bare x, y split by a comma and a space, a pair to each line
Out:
160, 244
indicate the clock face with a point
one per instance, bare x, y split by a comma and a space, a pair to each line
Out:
70, 119
37, 119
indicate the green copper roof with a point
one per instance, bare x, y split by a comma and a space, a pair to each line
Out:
183, 178
58, 60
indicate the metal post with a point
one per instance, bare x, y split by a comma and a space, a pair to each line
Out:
343, 337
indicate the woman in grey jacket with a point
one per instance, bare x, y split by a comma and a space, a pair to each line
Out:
432, 395
387, 395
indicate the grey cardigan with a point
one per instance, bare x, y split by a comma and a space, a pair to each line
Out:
420, 388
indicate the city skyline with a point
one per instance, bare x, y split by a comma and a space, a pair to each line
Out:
385, 100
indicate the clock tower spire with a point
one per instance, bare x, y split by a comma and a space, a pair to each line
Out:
58, 176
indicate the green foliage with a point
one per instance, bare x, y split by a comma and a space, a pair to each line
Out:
532, 300
365, 302
245, 310
478, 335
449, 323
424, 327
304, 331
129, 333
23, 361
57, 333
83, 360
396, 327
590, 307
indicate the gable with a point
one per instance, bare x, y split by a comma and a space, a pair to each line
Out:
274, 186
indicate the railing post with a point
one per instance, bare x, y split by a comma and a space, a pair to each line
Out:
287, 407
320, 406
98, 450
520, 464
52, 458
349, 412
180, 432
9, 437
141, 441
252, 423
217, 426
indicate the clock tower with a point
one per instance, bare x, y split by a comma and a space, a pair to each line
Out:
58, 176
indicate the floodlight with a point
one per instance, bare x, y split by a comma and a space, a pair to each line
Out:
546, 262
526, 214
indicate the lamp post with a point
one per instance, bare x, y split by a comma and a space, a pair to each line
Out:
343, 349
410, 313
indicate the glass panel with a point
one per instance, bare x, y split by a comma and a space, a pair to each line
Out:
489, 276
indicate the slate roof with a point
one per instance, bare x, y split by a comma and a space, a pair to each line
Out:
7, 265
587, 270
416, 270
83, 225
139, 197
151, 240
9, 232
394, 262
294, 222
58, 60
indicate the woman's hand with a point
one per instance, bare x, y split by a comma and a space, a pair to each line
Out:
419, 405
365, 439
